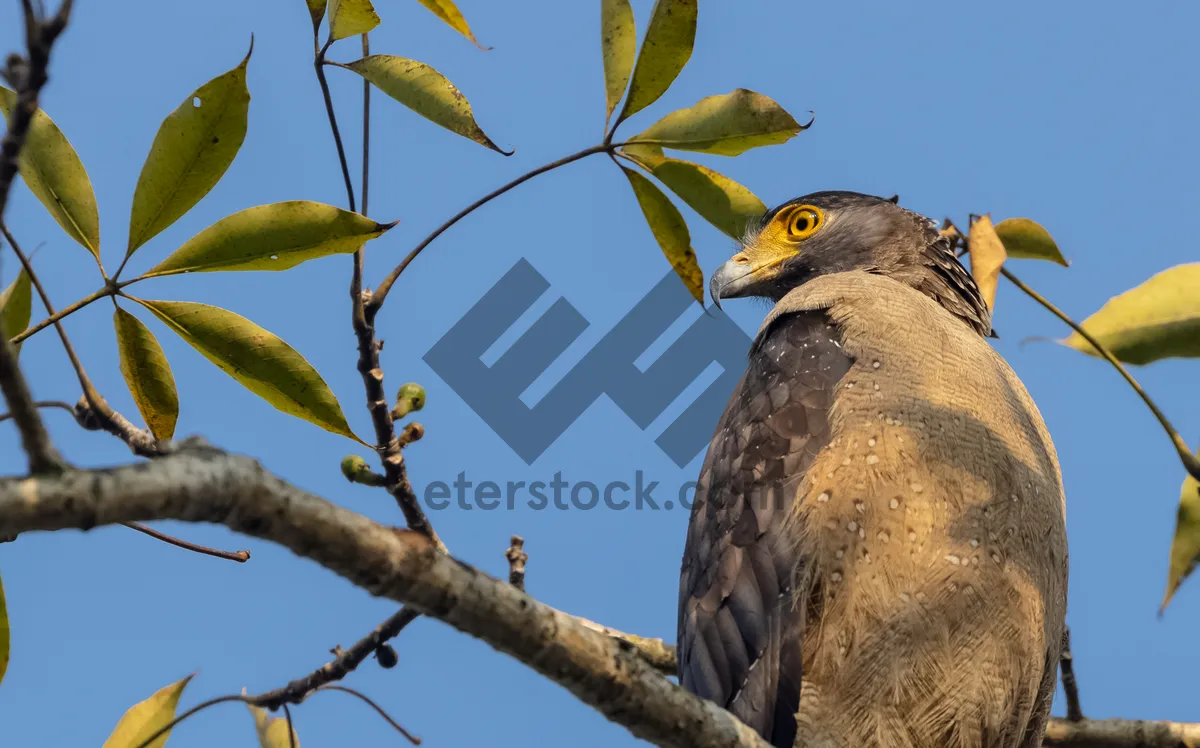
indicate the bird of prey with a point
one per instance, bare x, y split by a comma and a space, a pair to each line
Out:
877, 550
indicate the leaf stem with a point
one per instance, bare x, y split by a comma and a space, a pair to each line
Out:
113, 289
380, 294
194, 710
318, 65
94, 399
1190, 462
66, 311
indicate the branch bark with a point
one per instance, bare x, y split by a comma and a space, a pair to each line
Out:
203, 484
200, 484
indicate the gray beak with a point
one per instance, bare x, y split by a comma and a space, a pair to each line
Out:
731, 280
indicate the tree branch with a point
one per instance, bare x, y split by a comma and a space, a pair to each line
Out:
28, 78
1121, 733
202, 484
341, 666
205, 485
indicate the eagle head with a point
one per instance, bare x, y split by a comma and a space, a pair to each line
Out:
835, 231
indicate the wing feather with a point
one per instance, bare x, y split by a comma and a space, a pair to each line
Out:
740, 632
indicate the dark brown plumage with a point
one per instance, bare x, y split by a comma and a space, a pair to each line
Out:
876, 553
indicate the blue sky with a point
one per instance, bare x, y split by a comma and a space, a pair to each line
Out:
1076, 117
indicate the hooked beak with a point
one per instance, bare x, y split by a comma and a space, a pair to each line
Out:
738, 277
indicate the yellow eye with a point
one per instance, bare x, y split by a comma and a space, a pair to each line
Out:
803, 221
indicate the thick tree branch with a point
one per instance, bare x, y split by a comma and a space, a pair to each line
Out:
1121, 733
201, 484
206, 485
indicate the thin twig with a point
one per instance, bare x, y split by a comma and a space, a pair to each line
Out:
43, 404
240, 556
517, 557
1070, 686
39, 37
386, 444
344, 664
1190, 462
194, 710
380, 294
411, 738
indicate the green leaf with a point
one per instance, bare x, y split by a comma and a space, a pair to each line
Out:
670, 231
351, 18
665, 50
726, 125
191, 152
449, 12
148, 717
425, 91
1185, 548
4, 633
316, 9
1158, 319
54, 174
147, 374
618, 43
718, 199
1027, 240
16, 306
272, 237
260, 361
987, 257
272, 731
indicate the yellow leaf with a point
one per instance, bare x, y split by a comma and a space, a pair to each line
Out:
4, 635
16, 306
272, 237
987, 257
1185, 548
1027, 240
718, 199
670, 231
665, 50
618, 43
351, 18
272, 731
256, 358
1158, 319
147, 374
425, 91
194, 147
645, 156
316, 9
148, 717
54, 174
449, 12
726, 125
